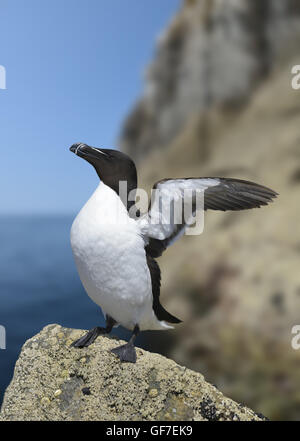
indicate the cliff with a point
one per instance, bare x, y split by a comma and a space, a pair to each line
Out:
53, 381
218, 101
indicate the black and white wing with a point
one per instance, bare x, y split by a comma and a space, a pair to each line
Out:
160, 227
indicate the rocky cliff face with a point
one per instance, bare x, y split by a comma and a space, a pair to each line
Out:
53, 382
214, 53
219, 102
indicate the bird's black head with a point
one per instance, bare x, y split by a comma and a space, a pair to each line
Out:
111, 166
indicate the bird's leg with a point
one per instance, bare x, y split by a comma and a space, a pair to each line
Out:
91, 336
127, 352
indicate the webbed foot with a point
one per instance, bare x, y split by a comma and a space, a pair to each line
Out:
126, 352
89, 337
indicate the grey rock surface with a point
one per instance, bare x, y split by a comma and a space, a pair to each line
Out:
53, 381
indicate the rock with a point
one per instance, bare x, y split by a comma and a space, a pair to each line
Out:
53, 381
237, 286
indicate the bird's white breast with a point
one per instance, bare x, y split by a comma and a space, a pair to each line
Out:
109, 253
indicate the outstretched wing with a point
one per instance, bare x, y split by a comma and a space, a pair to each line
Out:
223, 194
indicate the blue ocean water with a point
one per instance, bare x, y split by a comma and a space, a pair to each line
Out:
39, 284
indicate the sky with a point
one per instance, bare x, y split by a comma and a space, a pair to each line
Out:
74, 70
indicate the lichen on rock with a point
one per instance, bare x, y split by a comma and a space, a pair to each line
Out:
53, 381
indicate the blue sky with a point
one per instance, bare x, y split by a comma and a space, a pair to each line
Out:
74, 70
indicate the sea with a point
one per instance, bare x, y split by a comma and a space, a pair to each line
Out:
39, 285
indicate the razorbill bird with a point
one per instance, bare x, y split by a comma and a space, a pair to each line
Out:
115, 254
